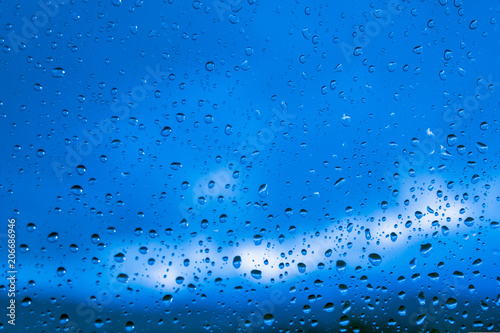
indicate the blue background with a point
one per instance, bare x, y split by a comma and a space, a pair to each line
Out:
325, 144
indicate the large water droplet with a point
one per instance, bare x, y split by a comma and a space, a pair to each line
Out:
375, 259
237, 262
122, 277
256, 274
77, 190
263, 191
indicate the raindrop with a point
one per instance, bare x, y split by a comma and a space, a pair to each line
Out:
425, 249
417, 49
129, 326
209, 66
340, 266
53, 237
122, 277
329, 307
391, 67
237, 262
77, 190
166, 131
447, 55
346, 120
451, 303
375, 259
61, 271
58, 72
119, 257
26, 302
481, 147
268, 319
256, 274
469, 221
81, 170
167, 299
263, 191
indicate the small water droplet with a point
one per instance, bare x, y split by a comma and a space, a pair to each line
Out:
209, 66
58, 72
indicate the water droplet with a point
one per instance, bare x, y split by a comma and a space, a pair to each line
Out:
61, 271
122, 277
129, 326
340, 266
31, 227
209, 66
442, 75
95, 238
119, 257
447, 55
451, 303
237, 262
417, 49
257, 239
80, 170
23, 248
52, 237
481, 147
268, 319
346, 120
375, 259
425, 249
452, 140
26, 302
469, 221
175, 165
263, 191
58, 72
256, 274
339, 183
167, 299
77, 190
329, 307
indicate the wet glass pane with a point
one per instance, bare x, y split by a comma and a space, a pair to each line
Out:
250, 166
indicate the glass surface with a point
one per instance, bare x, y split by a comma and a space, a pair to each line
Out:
250, 166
